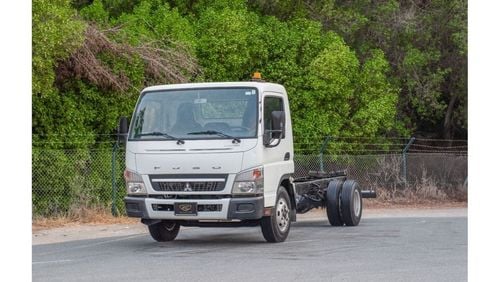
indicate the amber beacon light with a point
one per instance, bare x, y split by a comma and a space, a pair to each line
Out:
256, 76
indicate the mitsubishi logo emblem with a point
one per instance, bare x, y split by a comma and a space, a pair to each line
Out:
185, 207
187, 187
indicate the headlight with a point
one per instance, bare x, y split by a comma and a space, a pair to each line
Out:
134, 183
249, 182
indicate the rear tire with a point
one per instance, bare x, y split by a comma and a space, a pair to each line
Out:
276, 227
351, 203
164, 231
333, 203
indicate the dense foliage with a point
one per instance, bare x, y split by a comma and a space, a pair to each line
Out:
352, 68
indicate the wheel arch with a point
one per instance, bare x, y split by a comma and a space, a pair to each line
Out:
287, 183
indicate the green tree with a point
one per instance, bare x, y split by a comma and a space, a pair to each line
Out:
228, 46
377, 99
56, 33
349, 99
330, 81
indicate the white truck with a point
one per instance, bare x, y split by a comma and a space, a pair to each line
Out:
221, 154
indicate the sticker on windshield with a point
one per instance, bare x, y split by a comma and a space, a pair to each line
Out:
248, 93
200, 101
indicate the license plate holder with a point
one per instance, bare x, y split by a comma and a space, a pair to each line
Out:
185, 208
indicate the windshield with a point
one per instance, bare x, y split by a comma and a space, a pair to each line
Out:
207, 113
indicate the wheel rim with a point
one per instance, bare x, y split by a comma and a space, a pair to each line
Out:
357, 203
282, 215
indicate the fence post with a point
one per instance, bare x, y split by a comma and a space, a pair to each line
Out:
322, 150
114, 212
405, 150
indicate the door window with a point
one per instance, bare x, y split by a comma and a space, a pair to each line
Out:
271, 103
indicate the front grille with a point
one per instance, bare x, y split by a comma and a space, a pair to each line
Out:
183, 183
205, 186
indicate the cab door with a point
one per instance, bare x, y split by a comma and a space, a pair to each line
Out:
278, 162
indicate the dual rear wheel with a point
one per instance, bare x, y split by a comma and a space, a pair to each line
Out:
344, 203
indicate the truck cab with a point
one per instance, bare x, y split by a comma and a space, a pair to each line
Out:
211, 154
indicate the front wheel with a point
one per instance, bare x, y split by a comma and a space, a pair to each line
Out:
276, 227
164, 231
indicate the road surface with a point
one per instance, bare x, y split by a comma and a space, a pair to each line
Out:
391, 245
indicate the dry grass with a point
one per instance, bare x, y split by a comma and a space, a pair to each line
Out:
424, 191
401, 203
80, 216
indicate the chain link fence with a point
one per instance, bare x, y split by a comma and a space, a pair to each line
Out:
445, 171
65, 181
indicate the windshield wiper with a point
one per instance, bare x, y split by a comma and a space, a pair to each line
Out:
213, 132
157, 133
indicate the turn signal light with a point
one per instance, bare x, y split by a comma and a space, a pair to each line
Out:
257, 173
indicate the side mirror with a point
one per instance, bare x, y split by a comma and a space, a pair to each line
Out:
277, 130
278, 124
123, 129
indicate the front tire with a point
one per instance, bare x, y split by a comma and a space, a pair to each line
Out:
164, 231
276, 227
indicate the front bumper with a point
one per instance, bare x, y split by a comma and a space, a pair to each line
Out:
232, 208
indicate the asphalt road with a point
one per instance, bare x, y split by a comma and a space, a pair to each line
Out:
381, 248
